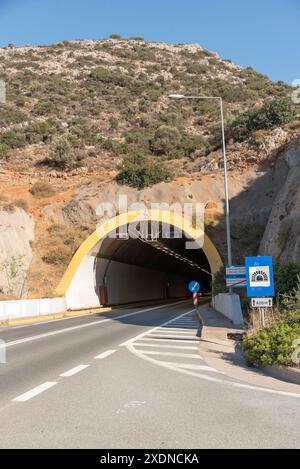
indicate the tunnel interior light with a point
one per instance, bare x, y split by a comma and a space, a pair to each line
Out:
162, 248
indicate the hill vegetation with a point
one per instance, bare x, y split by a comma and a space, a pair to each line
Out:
84, 102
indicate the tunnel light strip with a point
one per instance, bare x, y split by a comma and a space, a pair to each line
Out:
160, 247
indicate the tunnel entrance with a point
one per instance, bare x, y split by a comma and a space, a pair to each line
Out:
110, 270
143, 267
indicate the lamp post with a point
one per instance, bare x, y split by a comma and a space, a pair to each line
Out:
227, 208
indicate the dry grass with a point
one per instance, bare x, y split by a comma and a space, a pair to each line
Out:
42, 189
271, 315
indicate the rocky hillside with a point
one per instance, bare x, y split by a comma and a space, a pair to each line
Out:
85, 119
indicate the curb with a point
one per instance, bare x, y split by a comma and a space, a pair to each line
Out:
287, 374
49, 317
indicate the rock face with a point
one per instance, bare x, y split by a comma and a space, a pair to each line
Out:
282, 235
16, 238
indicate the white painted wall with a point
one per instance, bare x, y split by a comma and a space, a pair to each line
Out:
82, 293
125, 283
229, 306
19, 309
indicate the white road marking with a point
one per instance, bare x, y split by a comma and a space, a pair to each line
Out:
104, 354
171, 336
74, 371
172, 331
154, 339
190, 366
182, 347
82, 326
130, 341
172, 354
34, 392
169, 366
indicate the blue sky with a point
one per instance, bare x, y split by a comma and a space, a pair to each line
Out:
263, 34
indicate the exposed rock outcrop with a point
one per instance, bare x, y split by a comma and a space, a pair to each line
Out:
282, 235
16, 238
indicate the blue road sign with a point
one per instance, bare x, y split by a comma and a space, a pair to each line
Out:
194, 286
236, 276
259, 276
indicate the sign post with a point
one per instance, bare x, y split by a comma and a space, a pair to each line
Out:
260, 283
194, 288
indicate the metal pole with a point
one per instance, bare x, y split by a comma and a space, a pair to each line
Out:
227, 209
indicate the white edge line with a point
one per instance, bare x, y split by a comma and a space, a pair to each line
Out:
131, 348
89, 324
34, 391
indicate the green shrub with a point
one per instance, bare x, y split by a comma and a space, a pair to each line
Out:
40, 132
219, 282
62, 153
165, 139
272, 346
196, 68
44, 107
136, 38
109, 76
191, 143
13, 138
10, 116
285, 277
4, 151
58, 255
140, 173
274, 113
291, 302
115, 36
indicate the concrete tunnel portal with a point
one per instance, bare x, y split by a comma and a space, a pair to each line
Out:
121, 263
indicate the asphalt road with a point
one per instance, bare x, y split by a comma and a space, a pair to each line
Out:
131, 378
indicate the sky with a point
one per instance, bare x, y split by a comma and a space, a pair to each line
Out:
263, 34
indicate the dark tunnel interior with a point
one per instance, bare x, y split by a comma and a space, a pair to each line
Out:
143, 267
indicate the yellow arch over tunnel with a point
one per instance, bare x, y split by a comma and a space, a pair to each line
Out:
164, 216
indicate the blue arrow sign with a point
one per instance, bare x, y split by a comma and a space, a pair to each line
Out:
194, 286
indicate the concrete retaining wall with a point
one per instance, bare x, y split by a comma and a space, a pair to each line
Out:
26, 308
229, 306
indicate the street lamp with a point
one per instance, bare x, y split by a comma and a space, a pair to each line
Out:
227, 209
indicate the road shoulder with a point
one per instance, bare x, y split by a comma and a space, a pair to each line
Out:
224, 354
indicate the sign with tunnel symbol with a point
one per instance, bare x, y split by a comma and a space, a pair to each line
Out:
259, 276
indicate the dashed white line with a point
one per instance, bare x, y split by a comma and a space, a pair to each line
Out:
35, 391
104, 354
74, 371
